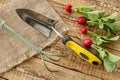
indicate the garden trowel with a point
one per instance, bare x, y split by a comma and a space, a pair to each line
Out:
45, 25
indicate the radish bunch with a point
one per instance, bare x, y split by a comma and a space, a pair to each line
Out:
103, 21
82, 21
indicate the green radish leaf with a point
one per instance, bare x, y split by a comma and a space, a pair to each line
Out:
108, 29
113, 16
87, 8
105, 39
92, 23
102, 53
94, 15
99, 40
109, 66
110, 18
113, 58
83, 9
109, 60
101, 26
115, 26
114, 38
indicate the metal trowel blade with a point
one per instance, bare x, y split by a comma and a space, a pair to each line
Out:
37, 21
45, 31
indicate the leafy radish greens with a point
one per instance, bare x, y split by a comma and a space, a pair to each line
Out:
99, 18
104, 22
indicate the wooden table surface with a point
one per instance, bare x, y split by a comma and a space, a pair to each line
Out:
71, 67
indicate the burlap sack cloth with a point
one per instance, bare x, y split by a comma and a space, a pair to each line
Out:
12, 50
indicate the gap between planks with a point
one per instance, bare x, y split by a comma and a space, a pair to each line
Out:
2, 78
99, 73
73, 62
34, 70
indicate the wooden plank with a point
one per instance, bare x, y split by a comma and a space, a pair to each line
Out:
33, 69
111, 5
3, 78
13, 51
74, 62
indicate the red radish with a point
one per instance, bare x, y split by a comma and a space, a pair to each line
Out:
83, 30
68, 8
81, 20
87, 43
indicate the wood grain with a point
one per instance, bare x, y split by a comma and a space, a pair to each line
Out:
71, 67
34, 70
73, 61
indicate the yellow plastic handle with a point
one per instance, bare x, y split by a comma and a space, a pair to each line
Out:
82, 52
